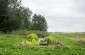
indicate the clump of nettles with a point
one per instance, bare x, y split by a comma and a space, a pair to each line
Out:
32, 40
50, 40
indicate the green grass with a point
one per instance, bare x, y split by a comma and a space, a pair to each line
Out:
9, 45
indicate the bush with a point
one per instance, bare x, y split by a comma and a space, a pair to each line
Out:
35, 43
31, 37
50, 40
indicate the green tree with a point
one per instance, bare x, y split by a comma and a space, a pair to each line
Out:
24, 15
4, 17
13, 16
39, 23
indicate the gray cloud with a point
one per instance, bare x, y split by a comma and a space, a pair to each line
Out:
61, 15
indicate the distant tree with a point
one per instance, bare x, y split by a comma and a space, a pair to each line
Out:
3, 7
24, 16
13, 16
4, 17
39, 23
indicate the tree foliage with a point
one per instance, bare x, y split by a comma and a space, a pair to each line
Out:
39, 23
14, 16
4, 18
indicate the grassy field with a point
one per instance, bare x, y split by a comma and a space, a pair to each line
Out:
74, 45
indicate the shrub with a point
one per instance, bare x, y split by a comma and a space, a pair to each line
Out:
50, 40
31, 37
35, 43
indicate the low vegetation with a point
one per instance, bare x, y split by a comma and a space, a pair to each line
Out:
50, 40
10, 44
31, 40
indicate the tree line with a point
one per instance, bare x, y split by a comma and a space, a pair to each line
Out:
14, 16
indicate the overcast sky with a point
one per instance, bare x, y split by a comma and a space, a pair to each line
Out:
61, 15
